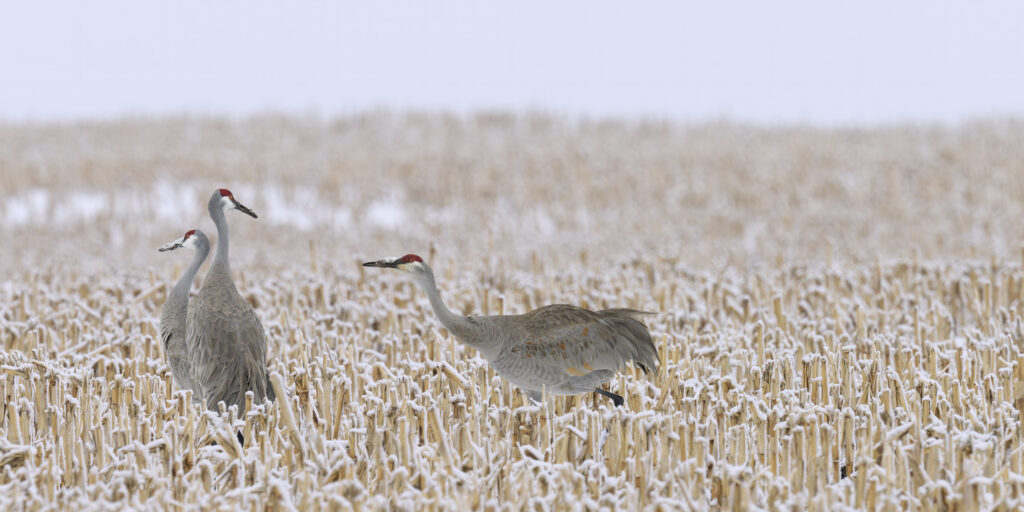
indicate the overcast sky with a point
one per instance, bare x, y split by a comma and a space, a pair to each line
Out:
781, 61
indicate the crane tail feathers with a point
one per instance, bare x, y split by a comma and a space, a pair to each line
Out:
633, 340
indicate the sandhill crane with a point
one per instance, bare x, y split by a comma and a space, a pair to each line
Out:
226, 344
172, 316
561, 348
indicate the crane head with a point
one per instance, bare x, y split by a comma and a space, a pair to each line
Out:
409, 263
186, 241
228, 202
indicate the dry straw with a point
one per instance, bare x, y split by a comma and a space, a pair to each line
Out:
789, 380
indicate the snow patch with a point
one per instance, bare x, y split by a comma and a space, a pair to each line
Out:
386, 213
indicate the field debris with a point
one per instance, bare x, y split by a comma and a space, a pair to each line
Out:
873, 361
843, 405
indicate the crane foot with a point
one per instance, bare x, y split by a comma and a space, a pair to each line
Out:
615, 398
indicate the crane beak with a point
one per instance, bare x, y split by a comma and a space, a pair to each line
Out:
171, 246
384, 263
244, 209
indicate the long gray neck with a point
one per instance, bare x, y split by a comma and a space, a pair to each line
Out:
464, 328
179, 295
220, 260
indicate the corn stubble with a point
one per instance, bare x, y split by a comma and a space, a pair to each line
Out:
818, 384
895, 385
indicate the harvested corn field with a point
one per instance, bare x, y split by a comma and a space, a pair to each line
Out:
838, 313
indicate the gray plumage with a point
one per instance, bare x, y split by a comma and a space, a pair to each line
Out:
226, 343
561, 348
173, 313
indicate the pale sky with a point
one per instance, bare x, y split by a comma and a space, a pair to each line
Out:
786, 61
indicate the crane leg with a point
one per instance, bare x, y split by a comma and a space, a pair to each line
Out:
615, 398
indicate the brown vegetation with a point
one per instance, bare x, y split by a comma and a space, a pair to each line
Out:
839, 313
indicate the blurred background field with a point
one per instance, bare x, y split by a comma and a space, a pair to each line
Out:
838, 311
497, 186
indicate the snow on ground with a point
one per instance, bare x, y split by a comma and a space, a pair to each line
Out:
297, 208
838, 313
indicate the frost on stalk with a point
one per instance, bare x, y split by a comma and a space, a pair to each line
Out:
838, 314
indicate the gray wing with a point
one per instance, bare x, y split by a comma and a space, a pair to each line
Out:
172, 334
578, 341
557, 316
227, 349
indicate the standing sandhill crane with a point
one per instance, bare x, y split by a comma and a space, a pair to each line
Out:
226, 345
564, 349
172, 316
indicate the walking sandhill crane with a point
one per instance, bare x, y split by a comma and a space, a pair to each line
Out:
172, 315
226, 344
561, 348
